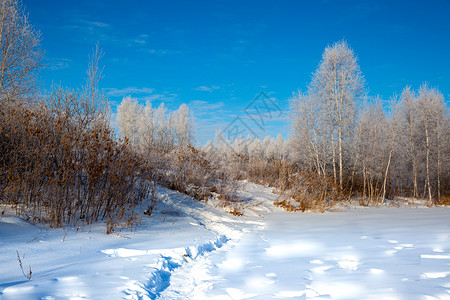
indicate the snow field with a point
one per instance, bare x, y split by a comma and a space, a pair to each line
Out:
193, 250
365, 253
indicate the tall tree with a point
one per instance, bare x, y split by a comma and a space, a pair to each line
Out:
372, 148
309, 136
430, 110
408, 124
339, 85
183, 125
128, 113
337, 89
20, 55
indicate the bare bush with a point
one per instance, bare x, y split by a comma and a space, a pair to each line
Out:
190, 171
57, 173
61, 163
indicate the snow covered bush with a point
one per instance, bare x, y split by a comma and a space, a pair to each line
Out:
190, 171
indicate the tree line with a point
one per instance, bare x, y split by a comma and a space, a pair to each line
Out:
377, 151
146, 127
367, 149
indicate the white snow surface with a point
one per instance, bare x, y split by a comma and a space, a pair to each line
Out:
194, 250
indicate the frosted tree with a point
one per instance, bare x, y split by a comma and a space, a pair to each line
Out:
128, 116
161, 127
279, 147
20, 55
430, 112
183, 125
221, 145
239, 146
286, 149
408, 125
442, 146
423, 141
146, 127
372, 149
255, 149
209, 147
390, 135
95, 106
150, 128
269, 148
338, 86
248, 141
309, 135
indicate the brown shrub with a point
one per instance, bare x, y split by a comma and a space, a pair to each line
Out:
56, 171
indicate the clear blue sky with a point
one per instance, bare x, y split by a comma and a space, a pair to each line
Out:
216, 56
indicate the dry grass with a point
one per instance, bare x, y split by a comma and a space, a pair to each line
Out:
235, 211
445, 200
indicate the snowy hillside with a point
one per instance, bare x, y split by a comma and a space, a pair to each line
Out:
191, 250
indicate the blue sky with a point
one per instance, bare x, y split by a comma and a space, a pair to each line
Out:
217, 56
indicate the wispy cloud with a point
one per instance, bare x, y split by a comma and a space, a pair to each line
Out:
161, 52
55, 64
129, 91
97, 24
201, 107
89, 26
204, 88
161, 97
85, 27
143, 94
141, 39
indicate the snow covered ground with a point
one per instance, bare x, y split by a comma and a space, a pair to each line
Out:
192, 250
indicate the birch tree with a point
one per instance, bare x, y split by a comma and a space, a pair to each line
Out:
390, 134
308, 137
430, 113
424, 131
128, 115
372, 150
326, 116
338, 85
183, 125
408, 124
146, 128
95, 105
